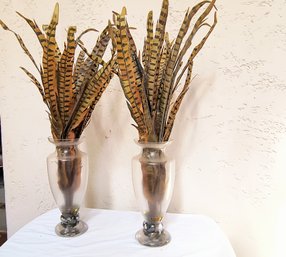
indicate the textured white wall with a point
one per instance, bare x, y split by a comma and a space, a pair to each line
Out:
229, 139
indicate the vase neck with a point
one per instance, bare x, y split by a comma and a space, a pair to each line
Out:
153, 150
66, 147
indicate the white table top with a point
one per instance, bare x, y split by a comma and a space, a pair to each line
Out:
111, 233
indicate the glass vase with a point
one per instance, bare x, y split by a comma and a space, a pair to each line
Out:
153, 175
68, 174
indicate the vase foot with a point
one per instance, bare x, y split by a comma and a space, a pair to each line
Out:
69, 231
155, 239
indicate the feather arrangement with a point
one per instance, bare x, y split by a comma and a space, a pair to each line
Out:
70, 86
151, 84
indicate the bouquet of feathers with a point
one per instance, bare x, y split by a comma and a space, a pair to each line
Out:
70, 86
149, 86
152, 84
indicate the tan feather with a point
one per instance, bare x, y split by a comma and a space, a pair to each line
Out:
41, 37
21, 42
128, 71
36, 82
65, 83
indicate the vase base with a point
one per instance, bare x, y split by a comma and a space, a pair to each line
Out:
153, 239
69, 231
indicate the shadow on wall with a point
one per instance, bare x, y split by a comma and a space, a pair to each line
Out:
110, 147
107, 148
184, 133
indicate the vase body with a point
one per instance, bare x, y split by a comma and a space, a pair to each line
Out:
153, 175
68, 174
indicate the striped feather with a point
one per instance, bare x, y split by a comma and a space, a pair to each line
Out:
196, 27
170, 74
22, 44
196, 50
77, 71
164, 58
41, 37
57, 51
101, 44
128, 71
172, 116
156, 49
65, 83
91, 94
49, 66
36, 82
148, 42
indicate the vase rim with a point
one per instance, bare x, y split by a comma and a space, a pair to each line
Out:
153, 144
65, 141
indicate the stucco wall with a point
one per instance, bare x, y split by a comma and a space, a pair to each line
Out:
229, 138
